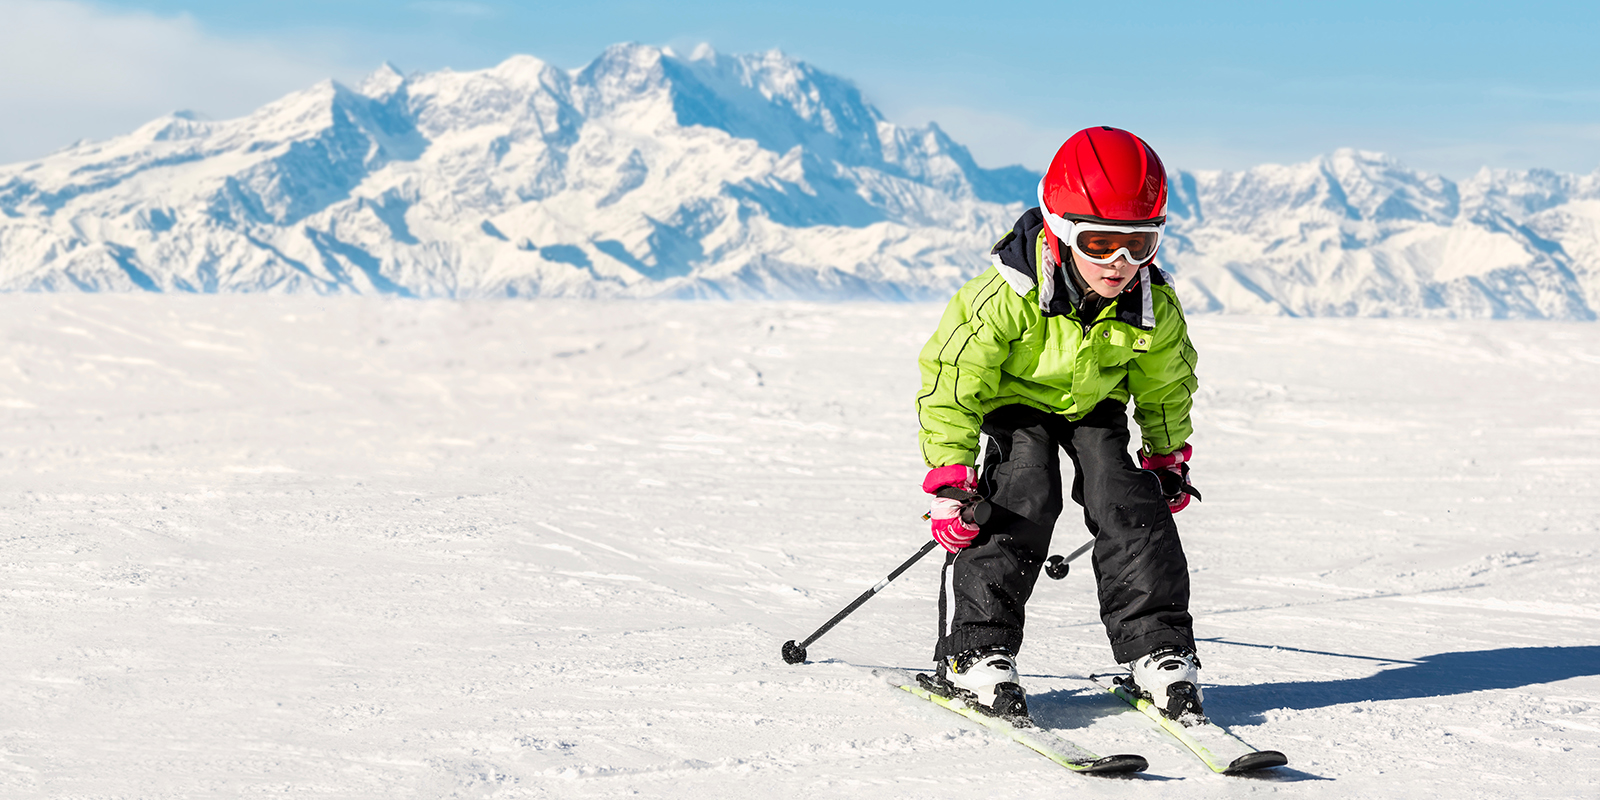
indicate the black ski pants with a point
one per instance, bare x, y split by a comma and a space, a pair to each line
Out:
1139, 566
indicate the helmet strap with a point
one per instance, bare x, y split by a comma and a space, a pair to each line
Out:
1070, 265
1058, 254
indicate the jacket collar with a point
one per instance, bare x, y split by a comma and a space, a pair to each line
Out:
1023, 260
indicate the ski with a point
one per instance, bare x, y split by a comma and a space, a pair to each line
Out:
1024, 732
1213, 744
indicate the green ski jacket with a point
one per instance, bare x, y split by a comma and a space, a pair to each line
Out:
1013, 335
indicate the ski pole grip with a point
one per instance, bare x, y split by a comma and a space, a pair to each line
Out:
974, 509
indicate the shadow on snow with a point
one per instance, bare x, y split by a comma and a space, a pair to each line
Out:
1433, 676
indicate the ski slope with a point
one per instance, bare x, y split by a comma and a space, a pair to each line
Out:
355, 547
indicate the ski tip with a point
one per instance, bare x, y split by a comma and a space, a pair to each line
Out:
896, 678
1260, 759
1113, 765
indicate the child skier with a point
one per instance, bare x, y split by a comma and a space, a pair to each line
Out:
1042, 353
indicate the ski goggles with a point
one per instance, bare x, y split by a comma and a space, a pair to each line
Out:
1104, 242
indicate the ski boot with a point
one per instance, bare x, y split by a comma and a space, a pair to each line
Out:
1170, 678
987, 679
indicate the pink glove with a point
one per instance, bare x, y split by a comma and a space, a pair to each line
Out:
949, 530
1173, 470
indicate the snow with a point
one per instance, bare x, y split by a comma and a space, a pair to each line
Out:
366, 547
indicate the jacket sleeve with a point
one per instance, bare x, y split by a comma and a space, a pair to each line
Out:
961, 367
1162, 381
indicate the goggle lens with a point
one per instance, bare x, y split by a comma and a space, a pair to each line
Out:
1104, 244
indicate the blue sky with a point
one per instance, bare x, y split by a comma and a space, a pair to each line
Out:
1445, 87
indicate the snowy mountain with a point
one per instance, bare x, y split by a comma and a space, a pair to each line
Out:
643, 173
1357, 234
646, 173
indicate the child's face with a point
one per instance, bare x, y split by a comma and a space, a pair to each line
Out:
1107, 280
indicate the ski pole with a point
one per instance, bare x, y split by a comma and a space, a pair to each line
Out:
974, 510
796, 653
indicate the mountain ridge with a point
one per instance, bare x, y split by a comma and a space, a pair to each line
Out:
649, 174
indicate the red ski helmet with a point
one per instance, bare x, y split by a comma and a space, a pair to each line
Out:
1104, 175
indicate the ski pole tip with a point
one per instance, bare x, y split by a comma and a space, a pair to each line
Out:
793, 653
